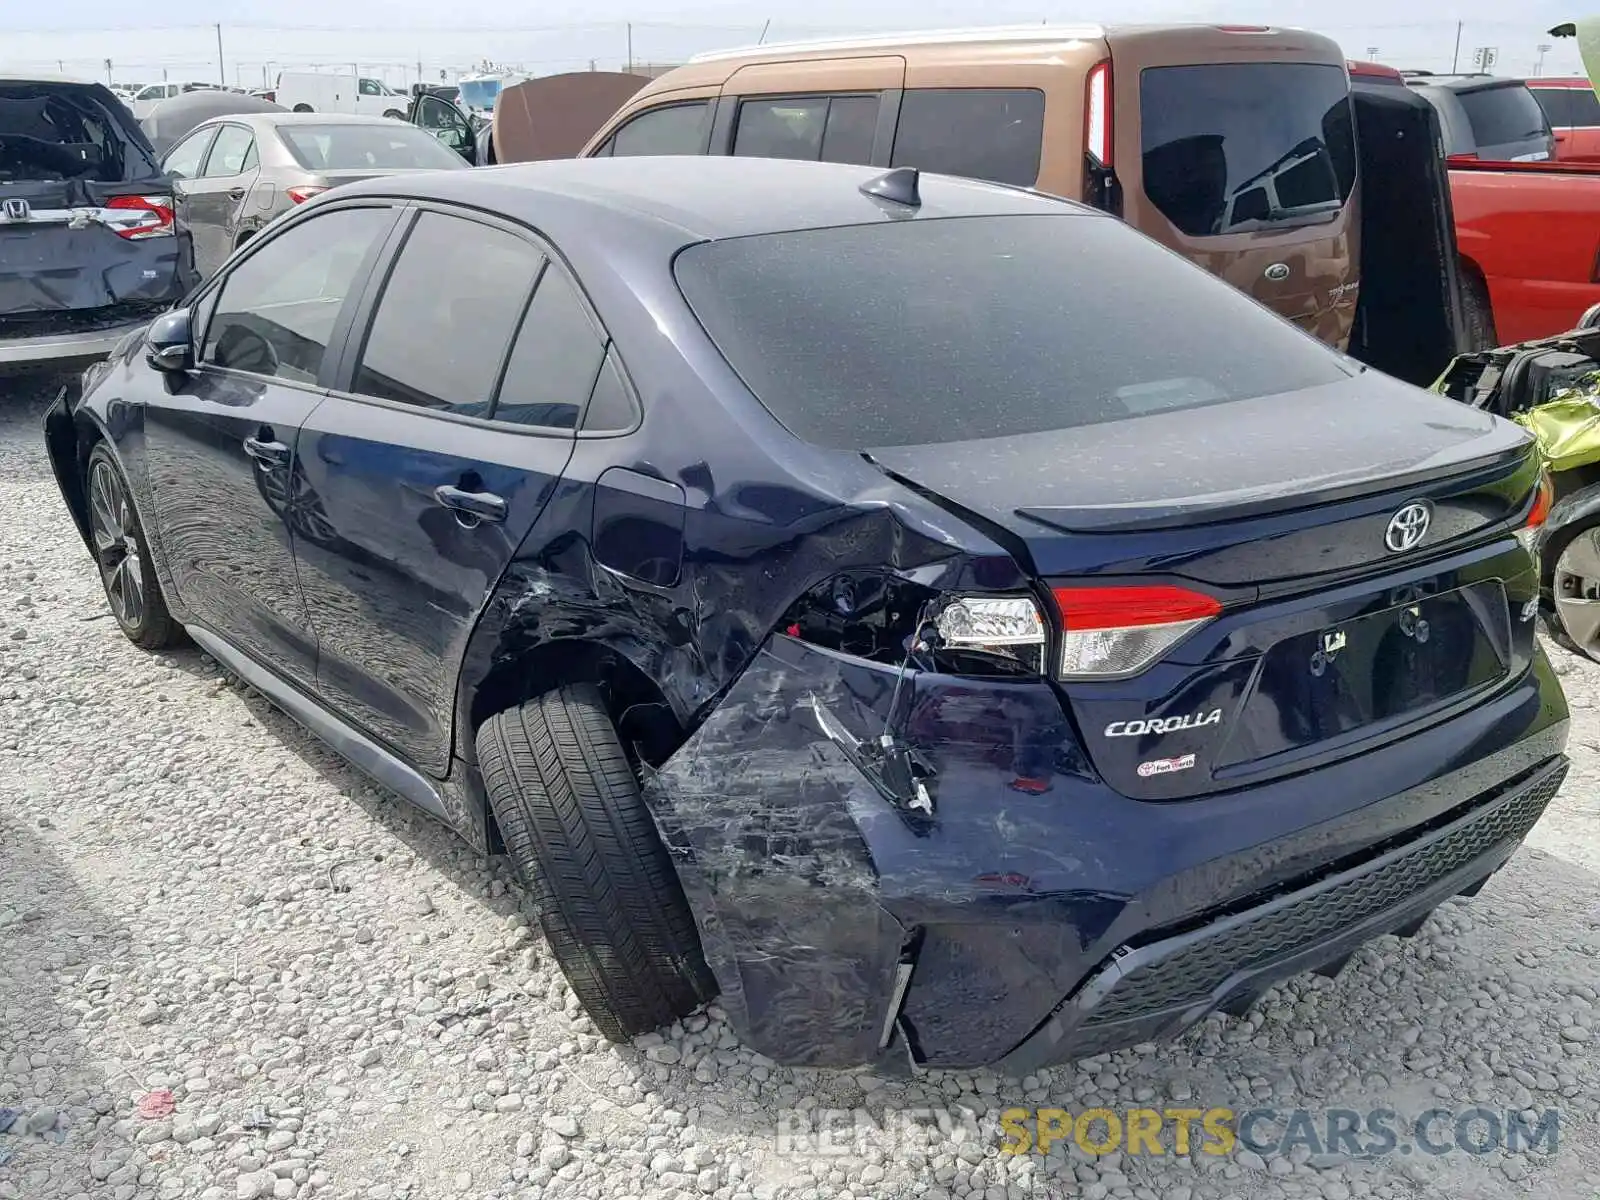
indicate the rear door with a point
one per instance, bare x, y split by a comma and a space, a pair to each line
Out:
209, 204
1579, 140
86, 225
828, 110
1249, 169
230, 499
447, 433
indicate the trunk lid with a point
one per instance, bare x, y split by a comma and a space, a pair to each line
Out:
1330, 639
85, 213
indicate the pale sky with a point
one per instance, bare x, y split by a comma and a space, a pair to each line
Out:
388, 38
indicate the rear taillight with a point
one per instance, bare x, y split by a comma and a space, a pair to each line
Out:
146, 216
1543, 498
1109, 632
1097, 114
1007, 626
301, 194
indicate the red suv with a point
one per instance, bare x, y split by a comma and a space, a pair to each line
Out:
1574, 112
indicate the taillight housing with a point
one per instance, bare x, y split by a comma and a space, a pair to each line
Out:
303, 193
1097, 114
1005, 626
1111, 631
146, 217
1107, 631
1543, 499
1100, 186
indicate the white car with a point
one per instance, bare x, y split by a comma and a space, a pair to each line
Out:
152, 94
316, 91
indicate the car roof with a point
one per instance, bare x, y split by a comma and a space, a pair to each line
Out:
705, 198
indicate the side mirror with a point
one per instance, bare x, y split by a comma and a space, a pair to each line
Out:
169, 342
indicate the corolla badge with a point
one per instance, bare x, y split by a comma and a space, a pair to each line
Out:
1163, 724
1277, 272
1408, 527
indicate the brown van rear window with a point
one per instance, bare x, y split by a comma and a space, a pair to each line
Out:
992, 134
1239, 147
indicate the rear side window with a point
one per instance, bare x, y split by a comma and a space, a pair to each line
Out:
446, 316
812, 128
1557, 105
1503, 115
554, 363
672, 129
390, 146
981, 134
1237, 147
929, 331
1584, 107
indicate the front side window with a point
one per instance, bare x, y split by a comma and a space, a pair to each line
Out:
183, 160
1584, 107
369, 87
446, 315
1557, 105
673, 129
916, 332
1239, 147
812, 128
233, 153
276, 309
978, 133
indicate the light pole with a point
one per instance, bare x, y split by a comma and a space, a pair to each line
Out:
1543, 48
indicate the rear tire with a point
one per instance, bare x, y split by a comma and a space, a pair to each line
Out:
1477, 312
127, 572
576, 827
395, 115
303, 108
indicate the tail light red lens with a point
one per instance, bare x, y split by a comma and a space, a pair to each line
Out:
301, 194
1543, 500
1097, 113
1110, 632
149, 216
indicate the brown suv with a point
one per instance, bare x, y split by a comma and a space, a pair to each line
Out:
1234, 145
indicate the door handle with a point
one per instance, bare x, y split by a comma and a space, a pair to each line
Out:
480, 506
267, 451
235, 193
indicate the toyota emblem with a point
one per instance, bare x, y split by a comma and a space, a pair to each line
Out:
1408, 527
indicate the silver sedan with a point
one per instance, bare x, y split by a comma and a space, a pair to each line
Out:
233, 174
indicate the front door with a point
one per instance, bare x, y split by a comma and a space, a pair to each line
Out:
229, 496
209, 204
431, 469
447, 123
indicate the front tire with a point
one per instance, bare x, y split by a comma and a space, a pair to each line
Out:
303, 108
127, 571
395, 114
576, 827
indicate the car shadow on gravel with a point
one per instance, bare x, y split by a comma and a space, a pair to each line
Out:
54, 943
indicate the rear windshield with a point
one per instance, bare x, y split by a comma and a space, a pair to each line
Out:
1502, 115
391, 146
926, 331
51, 132
1235, 147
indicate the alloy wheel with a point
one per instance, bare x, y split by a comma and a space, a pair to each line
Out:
1576, 587
116, 544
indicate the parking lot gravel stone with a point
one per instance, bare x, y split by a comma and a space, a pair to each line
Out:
232, 968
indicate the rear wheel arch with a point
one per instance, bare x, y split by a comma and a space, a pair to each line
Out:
637, 706
1476, 304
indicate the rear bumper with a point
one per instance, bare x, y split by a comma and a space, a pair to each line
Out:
1037, 915
62, 350
1156, 989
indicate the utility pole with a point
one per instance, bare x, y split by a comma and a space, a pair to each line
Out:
108, 72
762, 40
1455, 61
630, 47
1543, 49
222, 71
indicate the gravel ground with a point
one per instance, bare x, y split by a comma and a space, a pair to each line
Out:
232, 968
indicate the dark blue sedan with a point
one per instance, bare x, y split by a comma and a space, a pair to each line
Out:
929, 614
